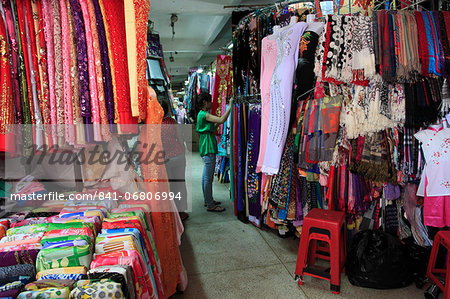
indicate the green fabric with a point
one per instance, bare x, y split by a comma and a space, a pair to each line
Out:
51, 258
143, 217
207, 140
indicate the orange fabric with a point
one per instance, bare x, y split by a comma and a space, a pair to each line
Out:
156, 181
142, 11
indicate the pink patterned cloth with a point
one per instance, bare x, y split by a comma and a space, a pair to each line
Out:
49, 38
106, 133
66, 58
92, 75
22, 247
59, 82
436, 209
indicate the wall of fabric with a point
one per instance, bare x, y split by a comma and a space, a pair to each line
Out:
79, 68
366, 90
63, 63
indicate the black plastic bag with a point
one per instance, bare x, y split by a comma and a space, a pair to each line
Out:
379, 260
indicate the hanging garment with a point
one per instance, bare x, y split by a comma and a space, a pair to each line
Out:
95, 111
281, 186
82, 61
136, 19
434, 184
268, 62
253, 178
105, 62
66, 73
163, 222
304, 79
22, 30
115, 17
105, 131
222, 87
288, 39
7, 143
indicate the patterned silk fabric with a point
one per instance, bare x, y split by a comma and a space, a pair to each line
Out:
222, 84
6, 103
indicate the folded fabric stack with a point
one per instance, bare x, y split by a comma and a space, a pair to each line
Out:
19, 247
126, 246
95, 250
48, 288
29, 187
4, 225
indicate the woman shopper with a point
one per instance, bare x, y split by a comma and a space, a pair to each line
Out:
206, 126
175, 159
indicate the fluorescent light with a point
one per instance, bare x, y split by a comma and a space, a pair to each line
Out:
230, 46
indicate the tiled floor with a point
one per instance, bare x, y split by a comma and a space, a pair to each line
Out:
226, 258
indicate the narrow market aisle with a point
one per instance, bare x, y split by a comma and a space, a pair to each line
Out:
226, 258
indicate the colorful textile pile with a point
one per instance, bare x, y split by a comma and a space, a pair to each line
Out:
85, 250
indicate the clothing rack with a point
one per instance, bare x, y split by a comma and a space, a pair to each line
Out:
270, 8
414, 4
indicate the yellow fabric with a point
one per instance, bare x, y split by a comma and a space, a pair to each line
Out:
130, 25
67, 270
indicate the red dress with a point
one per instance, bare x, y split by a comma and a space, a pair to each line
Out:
115, 16
6, 99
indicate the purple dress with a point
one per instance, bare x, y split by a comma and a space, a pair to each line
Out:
82, 59
254, 178
106, 67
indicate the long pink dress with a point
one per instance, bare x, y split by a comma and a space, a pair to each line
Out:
268, 60
435, 182
66, 59
288, 41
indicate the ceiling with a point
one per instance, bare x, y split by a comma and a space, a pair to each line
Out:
202, 30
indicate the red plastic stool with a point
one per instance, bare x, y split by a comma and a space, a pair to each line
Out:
326, 226
441, 238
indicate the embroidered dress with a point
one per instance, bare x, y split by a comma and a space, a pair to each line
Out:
222, 87
288, 39
268, 61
